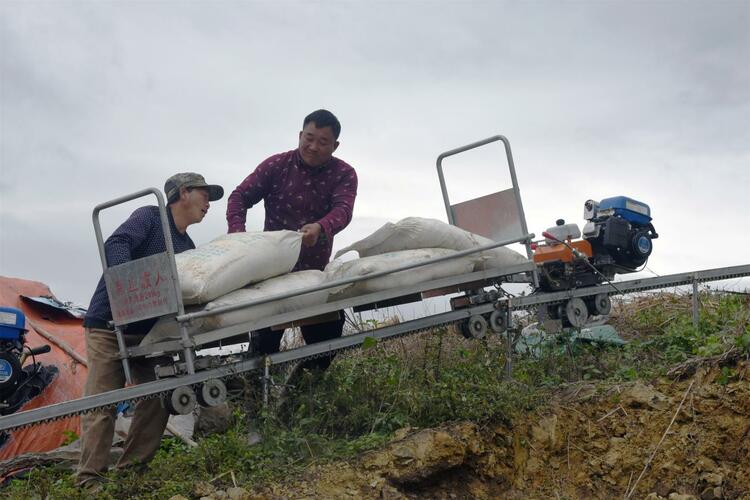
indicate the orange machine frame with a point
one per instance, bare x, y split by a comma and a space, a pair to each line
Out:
560, 252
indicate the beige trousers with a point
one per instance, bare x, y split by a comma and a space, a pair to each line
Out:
105, 373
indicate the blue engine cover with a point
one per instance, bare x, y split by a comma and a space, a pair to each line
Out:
629, 209
12, 323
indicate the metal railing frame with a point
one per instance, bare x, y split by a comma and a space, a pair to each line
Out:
188, 352
514, 181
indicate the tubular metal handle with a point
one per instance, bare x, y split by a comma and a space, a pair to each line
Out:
468, 147
513, 178
173, 267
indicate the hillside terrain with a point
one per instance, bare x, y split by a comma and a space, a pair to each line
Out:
590, 442
667, 415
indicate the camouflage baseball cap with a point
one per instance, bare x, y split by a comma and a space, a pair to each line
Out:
191, 179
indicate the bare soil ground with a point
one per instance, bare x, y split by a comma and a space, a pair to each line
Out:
676, 439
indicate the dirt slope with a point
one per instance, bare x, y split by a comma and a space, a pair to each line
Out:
590, 442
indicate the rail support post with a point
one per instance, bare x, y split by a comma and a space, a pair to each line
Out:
266, 380
509, 341
696, 303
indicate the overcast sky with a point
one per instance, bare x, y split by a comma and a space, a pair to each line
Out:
645, 99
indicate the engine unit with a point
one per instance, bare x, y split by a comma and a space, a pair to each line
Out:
620, 232
12, 332
617, 239
19, 383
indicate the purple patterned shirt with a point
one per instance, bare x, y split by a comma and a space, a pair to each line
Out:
296, 194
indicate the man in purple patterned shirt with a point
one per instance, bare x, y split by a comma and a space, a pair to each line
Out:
307, 190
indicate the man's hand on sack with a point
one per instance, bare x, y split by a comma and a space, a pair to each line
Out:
310, 234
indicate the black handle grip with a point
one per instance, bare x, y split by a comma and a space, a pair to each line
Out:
40, 350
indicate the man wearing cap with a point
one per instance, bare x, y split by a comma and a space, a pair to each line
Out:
307, 190
188, 197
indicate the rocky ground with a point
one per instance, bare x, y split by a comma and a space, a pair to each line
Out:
675, 439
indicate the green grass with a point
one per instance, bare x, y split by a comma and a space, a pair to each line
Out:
422, 381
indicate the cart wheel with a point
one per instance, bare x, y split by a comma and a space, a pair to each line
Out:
180, 401
476, 327
498, 321
576, 312
212, 393
602, 304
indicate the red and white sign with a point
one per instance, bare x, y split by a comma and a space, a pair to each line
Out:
141, 289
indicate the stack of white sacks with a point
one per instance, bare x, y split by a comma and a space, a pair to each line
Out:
409, 241
242, 267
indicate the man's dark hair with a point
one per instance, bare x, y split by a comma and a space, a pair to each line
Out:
324, 118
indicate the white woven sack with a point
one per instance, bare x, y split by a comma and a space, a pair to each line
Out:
274, 286
338, 269
234, 260
417, 232
167, 328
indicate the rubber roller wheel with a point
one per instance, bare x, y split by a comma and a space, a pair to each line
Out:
576, 312
498, 321
180, 401
212, 393
602, 304
476, 327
